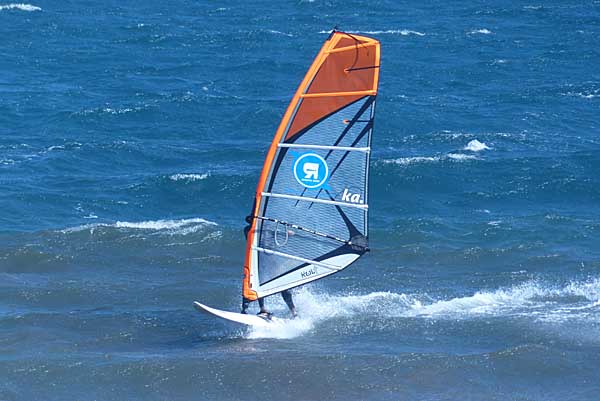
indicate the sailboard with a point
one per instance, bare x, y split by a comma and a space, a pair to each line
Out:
310, 214
248, 320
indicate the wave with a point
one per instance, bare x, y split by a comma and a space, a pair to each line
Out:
110, 110
280, 33
189, 177
171, 227
403, 32
543, 302
20, 6
404, 161
588, 94
482, 31
476, 146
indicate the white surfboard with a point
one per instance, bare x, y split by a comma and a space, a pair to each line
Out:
249, 320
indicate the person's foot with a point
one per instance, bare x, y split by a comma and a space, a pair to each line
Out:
264, 314
294, 313
243, 312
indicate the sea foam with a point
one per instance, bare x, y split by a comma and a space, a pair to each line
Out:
20, 6
532, 299
189, 177
482, 31
404, 161
403, 32
170, 227
476, 146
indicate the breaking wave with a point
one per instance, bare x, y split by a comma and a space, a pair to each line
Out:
404, 161
403, 32
482, 31
170, 227
20, 6
189, 177
476, 146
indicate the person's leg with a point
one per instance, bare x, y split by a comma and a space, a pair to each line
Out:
287, 297
261, 304
245, 303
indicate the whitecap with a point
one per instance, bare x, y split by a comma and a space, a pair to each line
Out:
588, 94
476, 146
279, 33
482, 31
170, 227
461, 156
412, 160
189, 177
20, 6
403, 32
404, 161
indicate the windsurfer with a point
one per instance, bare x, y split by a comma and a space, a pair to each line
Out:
286, 294
287, 297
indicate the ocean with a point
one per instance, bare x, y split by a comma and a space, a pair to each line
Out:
132, 135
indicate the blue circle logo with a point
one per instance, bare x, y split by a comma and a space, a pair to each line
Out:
311, 170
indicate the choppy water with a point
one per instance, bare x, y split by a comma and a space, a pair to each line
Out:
131, 138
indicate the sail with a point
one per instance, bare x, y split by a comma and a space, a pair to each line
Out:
310, 216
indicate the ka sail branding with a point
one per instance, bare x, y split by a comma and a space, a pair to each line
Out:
311, 170
348, 196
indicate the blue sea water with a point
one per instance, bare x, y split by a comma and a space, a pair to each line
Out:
131, 138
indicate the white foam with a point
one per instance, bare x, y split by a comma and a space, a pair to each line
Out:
404, 161
279, 33
461, 156
476, 146
525, 299
412, 160
110, 110
403, 32
162, 224
171, 227
20, 6
533, 300
482, 31
189, 177
314, 308
589, 94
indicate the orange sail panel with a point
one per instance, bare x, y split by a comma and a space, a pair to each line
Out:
310, 213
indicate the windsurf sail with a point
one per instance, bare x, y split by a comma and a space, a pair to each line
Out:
310, 216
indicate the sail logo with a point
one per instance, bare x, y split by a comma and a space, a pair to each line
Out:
348, 196
311, 170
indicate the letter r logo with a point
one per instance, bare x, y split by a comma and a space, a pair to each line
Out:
311, 171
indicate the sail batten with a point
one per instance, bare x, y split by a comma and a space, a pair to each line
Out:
318, 200
333, 94
285, 255
327, 147
316, 173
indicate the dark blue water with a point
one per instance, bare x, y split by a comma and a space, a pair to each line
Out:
131, 139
